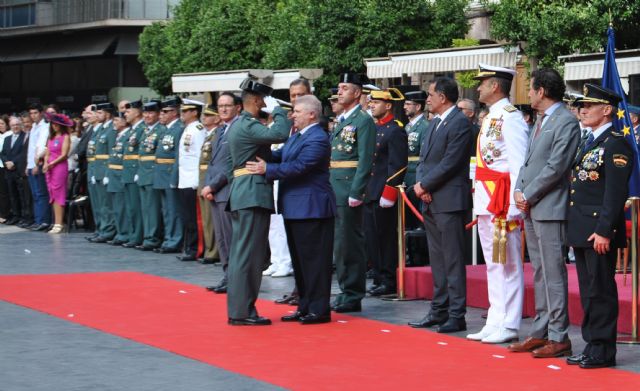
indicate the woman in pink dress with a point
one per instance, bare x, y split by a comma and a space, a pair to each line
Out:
55, 167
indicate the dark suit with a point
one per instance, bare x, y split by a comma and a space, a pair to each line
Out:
599, 188
308, 205
443, 171
13, 177
381, 224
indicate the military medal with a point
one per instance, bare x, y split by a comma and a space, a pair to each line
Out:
187, 142
582, 175
593, 175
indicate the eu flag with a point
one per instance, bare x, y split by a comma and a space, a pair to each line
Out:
621, 119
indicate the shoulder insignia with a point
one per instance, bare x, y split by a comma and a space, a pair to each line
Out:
615, 133
510, 108
199, 127
400, 124
620, 160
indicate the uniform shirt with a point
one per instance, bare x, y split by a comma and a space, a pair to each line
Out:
37, 142
189, 150
502, 144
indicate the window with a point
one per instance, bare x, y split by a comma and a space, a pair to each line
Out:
18, 15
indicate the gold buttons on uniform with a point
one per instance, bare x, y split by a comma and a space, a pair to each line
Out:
595, 213
573, 191
571, 203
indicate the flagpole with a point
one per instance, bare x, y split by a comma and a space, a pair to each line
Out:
635, 209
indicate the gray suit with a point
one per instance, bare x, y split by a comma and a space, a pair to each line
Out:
218, 177
544, 181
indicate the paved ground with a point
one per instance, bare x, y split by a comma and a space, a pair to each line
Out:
40, 352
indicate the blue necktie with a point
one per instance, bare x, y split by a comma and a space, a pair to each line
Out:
589, 142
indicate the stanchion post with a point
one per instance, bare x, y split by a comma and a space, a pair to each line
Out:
402, 252
635, 209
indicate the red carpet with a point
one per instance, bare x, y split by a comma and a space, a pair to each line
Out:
419, 284
353, 353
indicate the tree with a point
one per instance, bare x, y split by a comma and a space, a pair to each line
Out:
217, 35
552, 28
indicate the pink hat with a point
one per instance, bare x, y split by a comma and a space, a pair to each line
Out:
60, 119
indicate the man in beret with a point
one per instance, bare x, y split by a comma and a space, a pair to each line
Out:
353, 144
380, 212
251, 201
596, 224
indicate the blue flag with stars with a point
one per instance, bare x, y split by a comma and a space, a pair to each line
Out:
621, 119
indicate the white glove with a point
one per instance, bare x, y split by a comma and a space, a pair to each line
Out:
173, 186
135, 178
353, 202
93, 180
271, 103
105, 181
75, 156
385, 203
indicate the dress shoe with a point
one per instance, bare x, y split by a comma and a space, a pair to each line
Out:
312, 318
486, 331
427, 321
24, 224
296, 316
502, 335
130, 245
528, 345
452, 325
250, 321
99, 239
382, 290
144, 247
165, 250
348, 307
575, 359
12, 221
553, 349
593, 363
34, 226
220, 289
210, 288
207, 261
287, 299
115, 242
42, 227
186, 257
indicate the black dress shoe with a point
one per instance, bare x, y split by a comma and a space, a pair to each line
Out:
575, 359
452, 325
427, 321
130, 245
145, 247
593, 363
382, 290
221, 289
99, 239
348, 307
250, 321
12, 221
315, 319
165, 250
207, 261
34, 226
186, 257
115, 242
296, 316
92, 236
42, 227
288, 299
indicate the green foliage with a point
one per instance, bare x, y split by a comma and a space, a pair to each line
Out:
464, 42
217, 35
466, 79
553, 28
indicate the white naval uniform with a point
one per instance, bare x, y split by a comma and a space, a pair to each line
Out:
502, 150
189, 150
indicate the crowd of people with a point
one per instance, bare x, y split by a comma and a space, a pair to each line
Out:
154, 171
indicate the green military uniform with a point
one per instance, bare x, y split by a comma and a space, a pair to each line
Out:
131, 190
415, 135
105, 141
149, 197
210, 248
91, 183
115, 187
353, 144
166, 154
251, 204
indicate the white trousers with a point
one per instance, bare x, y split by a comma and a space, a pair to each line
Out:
280, 256
505, 283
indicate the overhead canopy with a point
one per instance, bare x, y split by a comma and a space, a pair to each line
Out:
53, 48
441, 60
230, 80
590, 66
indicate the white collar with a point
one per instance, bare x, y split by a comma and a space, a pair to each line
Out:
307, 128
596, 133
348, 113
446, 113
416, 119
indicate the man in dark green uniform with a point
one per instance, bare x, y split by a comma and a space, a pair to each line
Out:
596, 223
211, 121
163, 172
251, 201
133, 114
149, 197
113, 178
93, 129
353, 144
105, 140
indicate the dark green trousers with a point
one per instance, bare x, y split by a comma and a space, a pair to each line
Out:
95, 210
105, 204
133, 210
249, 248
122, 220
151, 216
349, 254
173, 226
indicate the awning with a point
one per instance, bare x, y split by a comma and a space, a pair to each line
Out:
54, 48
585, 70
441, 60
230, 80
127, 45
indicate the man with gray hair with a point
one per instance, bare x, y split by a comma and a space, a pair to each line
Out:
308, 206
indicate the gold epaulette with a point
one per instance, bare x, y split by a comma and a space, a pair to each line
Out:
510, 108
400, 124
615, 133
